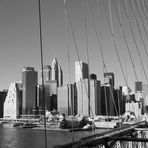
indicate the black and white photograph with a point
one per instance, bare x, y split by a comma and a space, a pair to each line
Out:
74, 74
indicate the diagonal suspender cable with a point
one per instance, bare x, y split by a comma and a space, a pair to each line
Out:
129, 24
101, 45
76, 47
144, 14
126, 41
132, 6
104, 66
124, 37
68, 49
41, 49
87, 51
115, 42
145, 4
100, 50
123, 34
115, 47
69, 70
97, 37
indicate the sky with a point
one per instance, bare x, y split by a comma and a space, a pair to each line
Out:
20, 46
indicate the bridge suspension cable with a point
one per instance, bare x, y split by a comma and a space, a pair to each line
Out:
132, 7
112, 96
101, 45
145, 16
129, 24
41, 54
124, 37
76, 48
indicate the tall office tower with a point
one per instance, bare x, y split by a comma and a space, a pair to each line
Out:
107, 94
56, 74
81, 71
40, 99
13, 101
122, 101
54, 67
29, 80
46, 74
107, 103
110, 76
119, 102
88, 97
67, 100
60, 76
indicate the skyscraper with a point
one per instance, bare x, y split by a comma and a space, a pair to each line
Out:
53, 78
29, 80
81, 71
46, 74
67, 100
56, 72
88, 98
107, 95
54, 67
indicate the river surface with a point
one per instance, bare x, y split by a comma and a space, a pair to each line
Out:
11, 137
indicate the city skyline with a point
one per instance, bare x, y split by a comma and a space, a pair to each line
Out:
19, 40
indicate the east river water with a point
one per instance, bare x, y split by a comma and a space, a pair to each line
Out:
11, 137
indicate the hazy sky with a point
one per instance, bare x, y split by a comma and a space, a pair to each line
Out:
19, 39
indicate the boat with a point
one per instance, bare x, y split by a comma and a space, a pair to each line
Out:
18, 124
85, 128
29, 125
76, 124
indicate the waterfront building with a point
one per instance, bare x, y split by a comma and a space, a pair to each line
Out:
88, 97
2, 100
134, 107
13, 101
145, 97
67, 103
29, 80
81, 71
